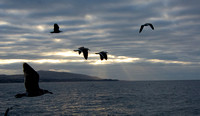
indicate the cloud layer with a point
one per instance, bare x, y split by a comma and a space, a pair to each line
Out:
171, 50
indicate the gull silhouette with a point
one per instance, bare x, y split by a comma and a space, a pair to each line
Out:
103, 55
31, 79
56, 29
84, 50
146, 24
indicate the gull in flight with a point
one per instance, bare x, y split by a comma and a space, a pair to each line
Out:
56, 29
103, 55
146, 24
84, 50
31, 80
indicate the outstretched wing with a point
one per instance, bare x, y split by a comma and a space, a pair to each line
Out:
101, 56
79, 51
141, 28
105, 56
31, 78
151, 26
85, 53
56, 27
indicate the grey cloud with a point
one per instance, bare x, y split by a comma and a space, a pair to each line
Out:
110, 25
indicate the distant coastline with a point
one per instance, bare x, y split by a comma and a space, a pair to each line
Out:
52, 76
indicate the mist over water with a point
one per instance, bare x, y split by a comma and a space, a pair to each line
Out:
138, 98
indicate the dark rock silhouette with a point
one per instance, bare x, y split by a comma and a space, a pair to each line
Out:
31, 79
50, 76
56, 29
53, 76
146, 24
103, 55
84, 50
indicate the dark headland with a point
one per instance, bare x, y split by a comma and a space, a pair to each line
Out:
52, 76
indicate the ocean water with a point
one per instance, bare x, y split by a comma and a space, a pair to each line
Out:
137, 98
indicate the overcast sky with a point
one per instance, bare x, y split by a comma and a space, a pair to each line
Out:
171, 51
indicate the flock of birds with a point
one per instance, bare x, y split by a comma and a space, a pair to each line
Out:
31, 77
102, 54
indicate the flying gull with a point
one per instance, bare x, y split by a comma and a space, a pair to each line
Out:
56, 29
103, 55
84, 50
31, 79
146, 24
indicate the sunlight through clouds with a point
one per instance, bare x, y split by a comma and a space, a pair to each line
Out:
11, 61
89, 17
59, 70
4, 23
168, 61
39, 61
115, 60
6, 42
92, 61
62, 53
112, 26
17, 12
41, 27
57, 40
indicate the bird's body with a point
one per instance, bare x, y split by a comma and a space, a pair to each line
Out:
103, 55
84, 50
31, 79
146, 24
56, 29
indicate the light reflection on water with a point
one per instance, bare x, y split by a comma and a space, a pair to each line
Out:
105, 98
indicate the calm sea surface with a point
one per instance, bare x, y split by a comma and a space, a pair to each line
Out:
138, 98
